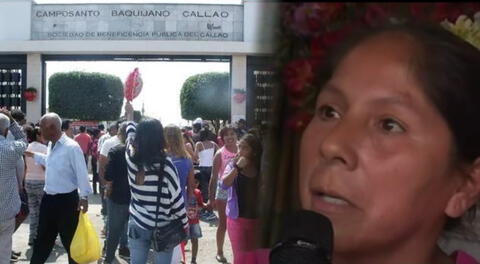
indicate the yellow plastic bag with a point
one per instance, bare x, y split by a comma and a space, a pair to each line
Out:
85, 247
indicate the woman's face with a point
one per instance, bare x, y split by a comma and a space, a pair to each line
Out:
244, 150
230, 138
377, 156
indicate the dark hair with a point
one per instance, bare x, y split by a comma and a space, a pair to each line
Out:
224, 130
30, 132
101, 127
95, 132
66, 124
256, 132
204, 134
122, 130
254, 142
82, 129
447, 67
149, 144
18, 115
197, 127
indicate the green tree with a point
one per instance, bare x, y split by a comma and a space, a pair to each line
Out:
85, 96
206, 95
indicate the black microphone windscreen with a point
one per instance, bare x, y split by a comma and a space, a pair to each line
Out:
310, 226
307, 239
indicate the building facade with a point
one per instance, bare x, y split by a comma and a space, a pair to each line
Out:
31, 34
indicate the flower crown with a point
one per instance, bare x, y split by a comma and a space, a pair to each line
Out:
309, 30
466, 29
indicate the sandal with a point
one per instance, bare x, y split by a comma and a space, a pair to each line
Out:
221, 259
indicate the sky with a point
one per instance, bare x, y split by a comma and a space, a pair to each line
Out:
162, 81
140, 1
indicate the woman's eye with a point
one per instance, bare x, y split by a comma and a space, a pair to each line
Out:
390, 125
327, 112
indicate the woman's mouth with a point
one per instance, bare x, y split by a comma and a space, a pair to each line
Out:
332, 199
329, 203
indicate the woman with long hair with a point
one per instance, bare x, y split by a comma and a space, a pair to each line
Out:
34, 179
182, 160
218, 196
190, 146
242, 180
157, 199
205, 150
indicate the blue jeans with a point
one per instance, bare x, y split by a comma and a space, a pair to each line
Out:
140, 242
117, 222
104, 201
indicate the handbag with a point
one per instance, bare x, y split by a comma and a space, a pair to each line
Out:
167, 237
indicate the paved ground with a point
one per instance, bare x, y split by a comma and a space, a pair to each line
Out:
206, 254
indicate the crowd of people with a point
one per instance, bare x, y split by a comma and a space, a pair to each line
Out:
148, 176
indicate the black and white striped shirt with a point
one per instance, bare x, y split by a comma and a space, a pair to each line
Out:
143, 205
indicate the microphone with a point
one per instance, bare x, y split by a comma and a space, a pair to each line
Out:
307, 239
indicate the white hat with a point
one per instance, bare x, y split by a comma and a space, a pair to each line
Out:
198, 120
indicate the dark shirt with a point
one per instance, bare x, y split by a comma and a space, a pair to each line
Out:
247, 191
212, 136
196, 137
116, 172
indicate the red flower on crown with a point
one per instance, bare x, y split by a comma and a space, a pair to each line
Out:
298, 74
312, 18
321, 26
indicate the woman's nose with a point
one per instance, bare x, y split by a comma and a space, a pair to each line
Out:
339, 144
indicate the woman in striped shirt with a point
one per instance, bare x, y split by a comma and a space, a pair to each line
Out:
149, 168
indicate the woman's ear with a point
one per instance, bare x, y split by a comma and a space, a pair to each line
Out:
467, 192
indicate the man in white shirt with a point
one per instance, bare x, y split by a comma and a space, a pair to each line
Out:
102, 163
103, 158
66, 178
112, 131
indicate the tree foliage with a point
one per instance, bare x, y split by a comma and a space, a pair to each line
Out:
85, 96
206, 95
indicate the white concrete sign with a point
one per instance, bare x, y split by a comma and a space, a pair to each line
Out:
137, 22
